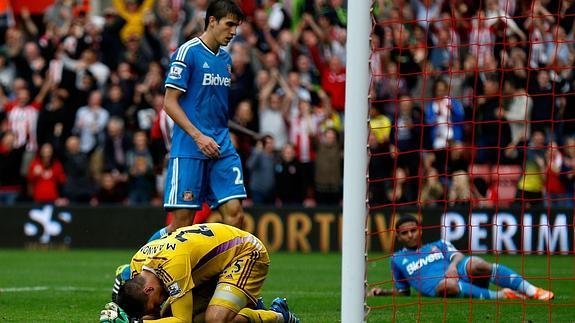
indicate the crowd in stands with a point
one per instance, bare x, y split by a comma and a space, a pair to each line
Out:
468, 99
479, 96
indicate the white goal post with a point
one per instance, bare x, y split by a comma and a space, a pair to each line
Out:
353, 271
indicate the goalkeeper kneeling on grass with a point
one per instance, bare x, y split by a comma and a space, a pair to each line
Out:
437, 269
209, 272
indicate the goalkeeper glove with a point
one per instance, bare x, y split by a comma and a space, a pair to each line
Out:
112, 313
122, 275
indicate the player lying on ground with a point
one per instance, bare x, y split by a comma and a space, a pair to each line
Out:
209, 272
438, 269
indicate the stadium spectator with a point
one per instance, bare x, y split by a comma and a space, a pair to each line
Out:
491, 132
333, 82
426, 11
6, 19
461, 190
133, 13
481, 40
140, 167
243, 85
117, 143
261, 166
531, 185
326, 116
300, 93
560, 52
458, 159
389, 87
380, 165
402, 189
78, 187
405, 136
555, 191
432, 190
328, 170
245, 117
278, 17
379, 123
115, 102
90, 123
568, 170
141, 114
216, 294
58, 13
518, 112
290, 185
404, 55
544, 110
444, 117
77, 51
109, 191
438, 269
46, 176
22, 120
87, 64
7, 71
445, 49
52, 120
308, 74
10, 160
274, 107
303, 132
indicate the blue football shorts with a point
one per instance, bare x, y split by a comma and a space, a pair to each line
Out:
192, 181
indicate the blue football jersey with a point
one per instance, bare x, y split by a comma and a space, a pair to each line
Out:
422, 268
205, 78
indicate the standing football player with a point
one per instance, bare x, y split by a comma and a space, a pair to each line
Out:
203, 165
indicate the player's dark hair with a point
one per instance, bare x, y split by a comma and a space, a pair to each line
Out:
405, 219
222, 8
131, 297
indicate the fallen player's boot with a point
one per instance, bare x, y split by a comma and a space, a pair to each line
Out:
280, 305
543, 295
509, 293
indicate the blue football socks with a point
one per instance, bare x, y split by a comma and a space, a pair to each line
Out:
466, 289
503, 276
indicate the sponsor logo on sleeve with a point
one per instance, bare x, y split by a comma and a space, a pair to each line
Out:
176, 72
174, 289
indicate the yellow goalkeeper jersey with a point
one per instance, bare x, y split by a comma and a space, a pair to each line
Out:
193, 255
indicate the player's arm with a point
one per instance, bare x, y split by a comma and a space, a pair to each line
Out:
454, 255
389, 292
400, 285
173, 108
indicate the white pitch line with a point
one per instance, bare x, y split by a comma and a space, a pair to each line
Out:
45, 288
23, 289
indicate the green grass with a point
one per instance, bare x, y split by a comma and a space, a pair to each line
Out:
72, 286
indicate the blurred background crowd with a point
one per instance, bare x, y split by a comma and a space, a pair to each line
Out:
471, 101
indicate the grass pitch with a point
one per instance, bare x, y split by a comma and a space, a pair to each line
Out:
72, 286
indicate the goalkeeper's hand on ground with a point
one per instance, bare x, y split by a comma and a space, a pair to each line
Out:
112, 313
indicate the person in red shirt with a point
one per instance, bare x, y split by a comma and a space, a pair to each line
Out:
45, 176
333, 82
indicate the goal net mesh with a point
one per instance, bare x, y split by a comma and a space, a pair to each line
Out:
472, 130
